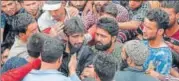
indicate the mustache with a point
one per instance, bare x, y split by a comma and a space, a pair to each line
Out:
98, 42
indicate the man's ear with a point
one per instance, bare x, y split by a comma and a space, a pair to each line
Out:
21, 35
160, 31
177, 18
129, 60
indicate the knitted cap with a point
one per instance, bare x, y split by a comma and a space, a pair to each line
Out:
137, 51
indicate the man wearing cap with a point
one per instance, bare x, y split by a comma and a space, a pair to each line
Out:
134, 54
55, 12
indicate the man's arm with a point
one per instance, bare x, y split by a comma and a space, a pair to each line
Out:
129, 25
72, 68
18, 74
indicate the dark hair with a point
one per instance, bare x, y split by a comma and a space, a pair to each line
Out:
4, 46
160, 17
21, 22
20, 1
52, 50
74, 25
108, 24
105, 67
171, 4
110, 8
35, 43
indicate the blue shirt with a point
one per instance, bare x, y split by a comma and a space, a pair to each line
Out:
3, 20
133, 74
49, 75
161, 58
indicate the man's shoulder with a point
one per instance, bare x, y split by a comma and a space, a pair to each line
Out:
39, 75
138, 76
85, 49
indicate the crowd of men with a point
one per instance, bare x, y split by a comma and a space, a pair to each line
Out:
69, 40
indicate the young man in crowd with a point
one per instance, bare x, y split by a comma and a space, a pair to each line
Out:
134, 54
51, 55
155, 24
103, 69
171, 7
32, 7
93, 10
9, 10
137, 11
55, 12
74, 31
25, 25
105, 40
34, 46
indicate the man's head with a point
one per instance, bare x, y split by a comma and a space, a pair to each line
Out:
55, 8
35, 43
99, 4
155, 23
74, 30
78, 4
134, 4
106, 32
32, 7
5, 48
24, 25
105, 67
9, 7
110, 9
172, 8
134, 53
52, 51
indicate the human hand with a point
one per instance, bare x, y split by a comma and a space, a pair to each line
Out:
72, 64
173, 47
88, 7
56, 29
73, 11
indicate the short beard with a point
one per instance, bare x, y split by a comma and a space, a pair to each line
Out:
152, 38
103, 47
73, 49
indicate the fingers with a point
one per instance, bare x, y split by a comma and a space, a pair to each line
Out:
72, 64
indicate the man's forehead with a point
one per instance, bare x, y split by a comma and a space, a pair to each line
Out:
78, 33
6, 2
29, 2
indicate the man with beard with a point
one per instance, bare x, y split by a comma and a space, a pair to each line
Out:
105, 37
172, 33
75, 44
155, 23
105, 42
134, 53
171, 7
79, 5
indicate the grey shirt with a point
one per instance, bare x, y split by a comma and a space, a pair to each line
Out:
18, 49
